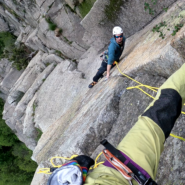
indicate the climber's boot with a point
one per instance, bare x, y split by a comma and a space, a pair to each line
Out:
92, 84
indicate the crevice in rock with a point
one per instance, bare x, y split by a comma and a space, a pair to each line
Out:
42, 3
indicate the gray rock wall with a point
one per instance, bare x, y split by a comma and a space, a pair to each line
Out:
3, 25
109, 110
8, 77
52, 95
129, 14
27, 19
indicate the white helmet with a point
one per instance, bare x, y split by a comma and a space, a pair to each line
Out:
117, 30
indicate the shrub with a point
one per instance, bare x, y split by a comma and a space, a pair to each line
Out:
85, 7
52, 26
7, 41
18, 55
39, 134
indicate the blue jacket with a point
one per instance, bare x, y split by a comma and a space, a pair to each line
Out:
115, 50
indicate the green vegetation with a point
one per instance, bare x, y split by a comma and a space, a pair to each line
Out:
15, 2
66, 5
59, 53
50, 5
60, 31
85, 7
158, 28
19, 96
165, 9
66, 40
147, 6
177, 27
112, 10
18, 55
52, 26
8, 40
34, 106
47, 64
16, 166
162, 25
11, 11
39, 134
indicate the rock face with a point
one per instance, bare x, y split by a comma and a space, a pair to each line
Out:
8, 77
51, 95
131, 15
3, 25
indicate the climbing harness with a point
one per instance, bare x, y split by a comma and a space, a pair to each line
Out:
104, 56
115, 159
123, 169
128, 168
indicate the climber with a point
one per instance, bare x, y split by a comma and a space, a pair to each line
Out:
115, 50
141, 147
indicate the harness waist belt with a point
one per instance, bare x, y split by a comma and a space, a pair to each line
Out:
141, 176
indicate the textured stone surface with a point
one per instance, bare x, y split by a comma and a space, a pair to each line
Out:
128, 14
152, 53
89, 117
26, 19
52, 94
59, 91
171, 168
8, 76
3, 25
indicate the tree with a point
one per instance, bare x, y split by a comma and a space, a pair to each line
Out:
16, 166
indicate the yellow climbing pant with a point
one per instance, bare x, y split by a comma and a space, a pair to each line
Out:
144, 142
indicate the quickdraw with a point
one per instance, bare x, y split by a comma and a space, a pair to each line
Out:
128, 169
123, 169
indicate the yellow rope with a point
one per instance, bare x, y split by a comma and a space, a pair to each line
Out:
47, 170
66, 158
97, 164
173, 135
44, 170
140, 90
149, 87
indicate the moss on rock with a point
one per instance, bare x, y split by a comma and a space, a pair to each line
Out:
85, 7
112, 10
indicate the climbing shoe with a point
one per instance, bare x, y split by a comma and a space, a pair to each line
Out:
92, 84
